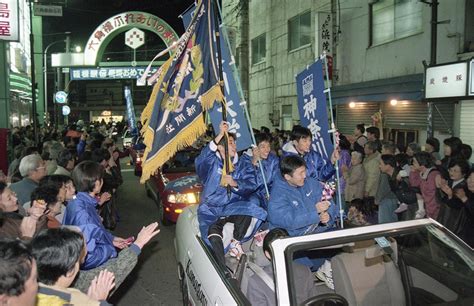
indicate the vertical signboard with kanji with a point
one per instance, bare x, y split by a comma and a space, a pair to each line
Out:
9, 20
324, 38
312, 107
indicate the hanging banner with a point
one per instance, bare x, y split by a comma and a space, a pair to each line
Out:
235, 113
312, 107
132, 122
9, 20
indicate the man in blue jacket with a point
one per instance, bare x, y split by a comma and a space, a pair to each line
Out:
270, 164
300, 145
217, 206
296, 202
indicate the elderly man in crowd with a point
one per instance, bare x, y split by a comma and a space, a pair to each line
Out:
32, 169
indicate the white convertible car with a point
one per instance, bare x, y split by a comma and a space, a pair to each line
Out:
405, 263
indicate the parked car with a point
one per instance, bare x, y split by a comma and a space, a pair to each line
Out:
175, 185
416, 262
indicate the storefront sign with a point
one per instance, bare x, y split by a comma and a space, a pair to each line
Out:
117, 24
108, 73
471, 78
9, 20
446, 81
48, 10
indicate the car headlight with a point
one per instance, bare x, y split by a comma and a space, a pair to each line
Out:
186, 198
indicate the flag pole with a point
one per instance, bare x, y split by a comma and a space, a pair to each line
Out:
243, 103
334, 137
222, 87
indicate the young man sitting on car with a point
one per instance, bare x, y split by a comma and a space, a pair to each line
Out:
296, 201
225, 198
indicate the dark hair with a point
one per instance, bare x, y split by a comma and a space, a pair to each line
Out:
85, 174
374, 130
55, 180
299, 132
98, 155
434, 142
424, 159
367, 206
388, 159
361, 127
274, 234
372, 145
56, 252
290, 163
455, 144
233, 135
389, 145
466, 151
462, 163
2, 187
265, 130
64, 157
15, 266
18, 151
402, 159
344, 144
47, 193
261, 137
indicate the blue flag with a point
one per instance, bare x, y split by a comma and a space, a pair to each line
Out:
132, 122
312, 107
186, 85
235, 112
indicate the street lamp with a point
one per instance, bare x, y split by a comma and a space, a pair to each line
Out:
45, 72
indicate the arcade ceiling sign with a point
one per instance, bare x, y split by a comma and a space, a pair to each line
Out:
120, 23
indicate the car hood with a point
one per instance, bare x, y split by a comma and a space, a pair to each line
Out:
184, 183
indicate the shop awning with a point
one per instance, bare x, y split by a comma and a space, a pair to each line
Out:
408, 87
21, 83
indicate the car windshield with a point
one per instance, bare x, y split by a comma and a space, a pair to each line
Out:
183, 161
425, 264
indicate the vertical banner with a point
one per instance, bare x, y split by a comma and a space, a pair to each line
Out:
312, 107
9, 20
132, 122
235, 113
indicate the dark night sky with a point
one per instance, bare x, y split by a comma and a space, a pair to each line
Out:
81, 17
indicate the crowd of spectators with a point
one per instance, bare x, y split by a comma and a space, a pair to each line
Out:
58, 203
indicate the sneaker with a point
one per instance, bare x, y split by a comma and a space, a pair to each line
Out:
420, 214
324, 274
236, 249
259, 237
401, 208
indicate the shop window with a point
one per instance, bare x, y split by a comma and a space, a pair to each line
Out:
259, 49
299, 31
394, 19
403, 137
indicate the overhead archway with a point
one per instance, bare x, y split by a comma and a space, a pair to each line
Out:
120, 23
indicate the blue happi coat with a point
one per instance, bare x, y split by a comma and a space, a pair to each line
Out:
215, 202
316, 166
293, 208
82, 213
271, 168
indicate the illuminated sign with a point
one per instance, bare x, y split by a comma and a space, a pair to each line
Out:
471, 78
9, 20
108, 73
122, 22
48, 10
446, 81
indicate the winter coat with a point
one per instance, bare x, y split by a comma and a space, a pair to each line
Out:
355, 183
82, 212
215, 201
372, 174
426, 183
316, 166
293, 208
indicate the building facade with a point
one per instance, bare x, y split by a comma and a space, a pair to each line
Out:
378, 49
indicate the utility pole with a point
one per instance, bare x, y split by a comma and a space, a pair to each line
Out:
33, 76
434, 42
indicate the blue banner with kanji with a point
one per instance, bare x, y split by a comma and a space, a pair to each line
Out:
312, 107
186, 85
235, 112
132, 122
